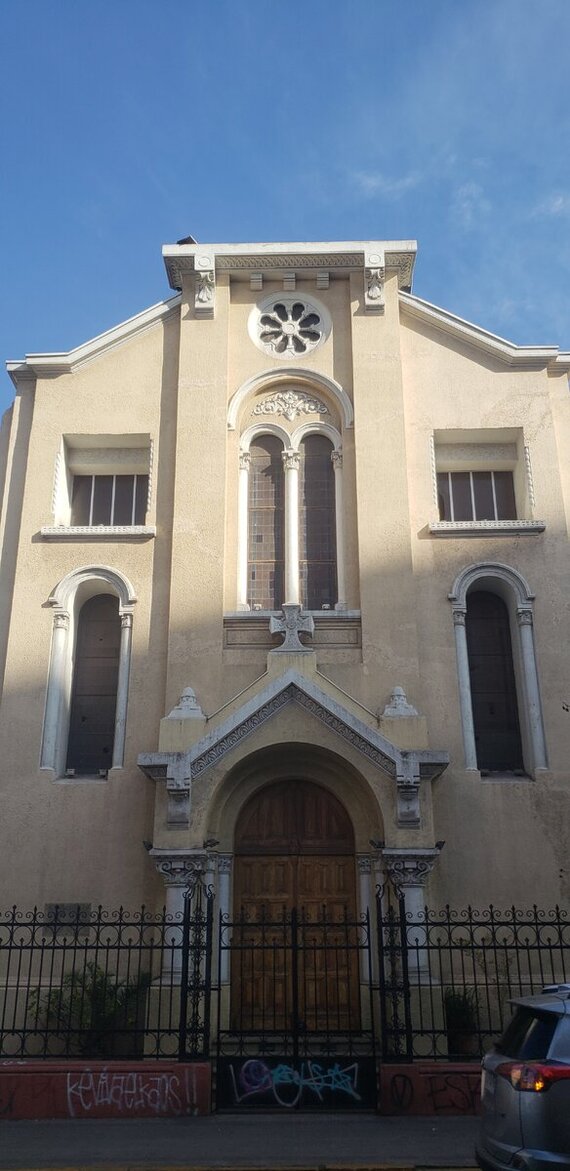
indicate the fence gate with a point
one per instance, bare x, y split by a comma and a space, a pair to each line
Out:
295, 1012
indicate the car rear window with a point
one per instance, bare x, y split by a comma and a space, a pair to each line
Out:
529, 1035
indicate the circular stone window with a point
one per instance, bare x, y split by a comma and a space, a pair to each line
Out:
288, 326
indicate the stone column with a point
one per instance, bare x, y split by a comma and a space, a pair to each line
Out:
530, 674
409, 870
122, 690
364, 863
464, 689
55, 690
242, 529
225, 862
291, 461
181, 871
336, 457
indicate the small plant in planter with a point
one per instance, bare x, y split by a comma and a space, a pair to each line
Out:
94, 1013
461, 1010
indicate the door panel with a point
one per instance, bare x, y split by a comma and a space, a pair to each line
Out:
293, 951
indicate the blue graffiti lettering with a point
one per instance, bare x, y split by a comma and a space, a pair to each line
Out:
255, 1077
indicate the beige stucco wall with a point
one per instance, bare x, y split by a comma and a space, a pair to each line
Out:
82, 840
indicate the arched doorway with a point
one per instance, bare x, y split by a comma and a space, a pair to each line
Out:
296, 960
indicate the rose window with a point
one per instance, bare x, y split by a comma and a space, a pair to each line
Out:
288, 327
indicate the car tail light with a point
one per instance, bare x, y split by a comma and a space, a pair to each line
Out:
535, 1076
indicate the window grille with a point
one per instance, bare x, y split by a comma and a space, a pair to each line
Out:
476, 496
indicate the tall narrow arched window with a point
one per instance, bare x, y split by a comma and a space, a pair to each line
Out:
317, 538
493, 687
266, 536
94, 687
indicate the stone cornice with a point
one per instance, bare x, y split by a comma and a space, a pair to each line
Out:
525, 357
50, 365
280, 260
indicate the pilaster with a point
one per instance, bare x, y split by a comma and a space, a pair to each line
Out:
387, 594
196, 602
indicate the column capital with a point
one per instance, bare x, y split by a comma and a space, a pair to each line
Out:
181, 867
524, 616
225, 862
364, 863
409, 867
244, 461
291, 459
61, 620
459, 617
336, 459
126, 620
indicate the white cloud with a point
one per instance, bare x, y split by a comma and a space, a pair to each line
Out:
554, 205
370, 183
469, 205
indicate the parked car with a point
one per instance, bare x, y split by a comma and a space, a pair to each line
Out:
525, 1088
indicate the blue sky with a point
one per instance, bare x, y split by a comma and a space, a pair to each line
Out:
126, 124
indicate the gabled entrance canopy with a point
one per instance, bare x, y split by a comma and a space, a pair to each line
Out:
406, 768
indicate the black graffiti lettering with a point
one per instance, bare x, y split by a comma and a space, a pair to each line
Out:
401, 1091
457, 1092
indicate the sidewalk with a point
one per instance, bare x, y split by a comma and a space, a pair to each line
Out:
306, 1142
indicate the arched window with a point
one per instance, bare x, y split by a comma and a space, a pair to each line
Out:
266, 532
499, 692
317, 541
493, 688
94, 694
88, 680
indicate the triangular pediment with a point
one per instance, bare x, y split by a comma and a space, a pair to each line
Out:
294, 687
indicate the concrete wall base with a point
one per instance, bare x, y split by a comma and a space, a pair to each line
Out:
95, 1089
440, 1088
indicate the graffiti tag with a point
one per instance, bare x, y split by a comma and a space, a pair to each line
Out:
287, 1084
129, 1093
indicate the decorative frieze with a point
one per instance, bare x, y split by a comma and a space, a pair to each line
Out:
290, 404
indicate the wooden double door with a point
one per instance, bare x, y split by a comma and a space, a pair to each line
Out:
296, 937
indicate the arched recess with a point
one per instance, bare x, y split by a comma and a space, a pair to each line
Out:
272, 379
67, 599
510, 586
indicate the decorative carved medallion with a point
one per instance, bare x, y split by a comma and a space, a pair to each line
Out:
291, 404
288, 327
291, 625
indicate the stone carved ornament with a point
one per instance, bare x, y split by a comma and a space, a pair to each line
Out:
291, 404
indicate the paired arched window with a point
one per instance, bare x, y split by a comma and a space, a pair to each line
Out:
87, 691
501, 712
292, 501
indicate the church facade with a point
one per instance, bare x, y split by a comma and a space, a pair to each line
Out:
285, 572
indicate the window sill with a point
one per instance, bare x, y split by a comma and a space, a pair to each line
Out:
96, 532
486, 528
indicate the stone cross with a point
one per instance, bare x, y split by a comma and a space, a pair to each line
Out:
290, 625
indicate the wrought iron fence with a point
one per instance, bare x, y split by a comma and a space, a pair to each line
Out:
115, 985
447, 977
106, 984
